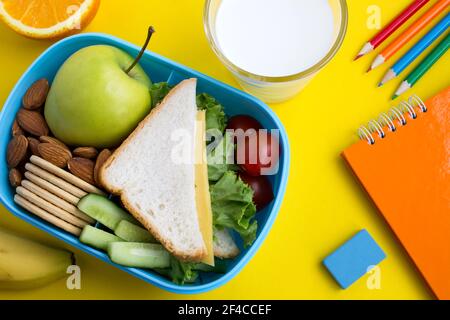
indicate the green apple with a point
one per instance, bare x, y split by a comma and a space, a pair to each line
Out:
93, 101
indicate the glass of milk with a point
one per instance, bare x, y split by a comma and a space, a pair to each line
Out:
274, 47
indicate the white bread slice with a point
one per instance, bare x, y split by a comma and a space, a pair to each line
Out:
157, 190
224, 245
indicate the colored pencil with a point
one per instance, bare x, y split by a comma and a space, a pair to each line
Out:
413, 30
424, 66
415, 51
392, 27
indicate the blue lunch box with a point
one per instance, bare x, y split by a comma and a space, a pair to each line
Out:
159, 69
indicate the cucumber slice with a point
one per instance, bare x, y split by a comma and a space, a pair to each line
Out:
133, 233
97, 238
139, 255
103, 210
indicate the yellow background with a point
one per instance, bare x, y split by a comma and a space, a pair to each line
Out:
323, 205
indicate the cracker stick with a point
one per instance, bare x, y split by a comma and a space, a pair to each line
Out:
44, 194
52, 188
55, 180
47, 206
46, 216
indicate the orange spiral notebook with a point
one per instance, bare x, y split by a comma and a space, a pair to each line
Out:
403, 162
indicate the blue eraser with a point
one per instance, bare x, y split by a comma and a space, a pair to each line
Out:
352, 260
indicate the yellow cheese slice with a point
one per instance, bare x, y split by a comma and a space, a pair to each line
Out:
202, 196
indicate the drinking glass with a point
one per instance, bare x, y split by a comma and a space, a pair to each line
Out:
276, 89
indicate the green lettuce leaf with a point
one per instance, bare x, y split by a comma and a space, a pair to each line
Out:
221, 158
233, 207
180, 272
215, 116
158, 91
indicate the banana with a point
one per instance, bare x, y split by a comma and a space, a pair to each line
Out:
27, 264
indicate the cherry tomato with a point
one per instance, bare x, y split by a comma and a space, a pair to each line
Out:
262, 189
254, 154
244, 123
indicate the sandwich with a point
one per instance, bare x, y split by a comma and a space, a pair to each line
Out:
164, 178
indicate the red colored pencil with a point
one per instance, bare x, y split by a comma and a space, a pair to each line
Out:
391, 27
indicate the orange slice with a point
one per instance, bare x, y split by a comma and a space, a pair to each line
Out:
45, 19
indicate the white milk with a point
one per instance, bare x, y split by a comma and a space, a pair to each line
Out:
275, 37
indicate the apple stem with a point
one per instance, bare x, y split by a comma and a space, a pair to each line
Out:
151, 30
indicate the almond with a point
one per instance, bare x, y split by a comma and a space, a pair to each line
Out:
32, 122
48, 139
35, 96
15, 177
16, 151
85, 152
82, 168
33, 146
16, 130
101, 159
55, 154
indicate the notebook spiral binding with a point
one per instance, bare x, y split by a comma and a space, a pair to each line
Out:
395, 114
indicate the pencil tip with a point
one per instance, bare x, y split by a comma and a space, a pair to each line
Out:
378, 61
394, 97
405, 86
388, 76
368, 47
370, 69
380, 84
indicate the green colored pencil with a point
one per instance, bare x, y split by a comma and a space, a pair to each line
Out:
424, 66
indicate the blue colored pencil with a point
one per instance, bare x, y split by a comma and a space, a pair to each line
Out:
415, 51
